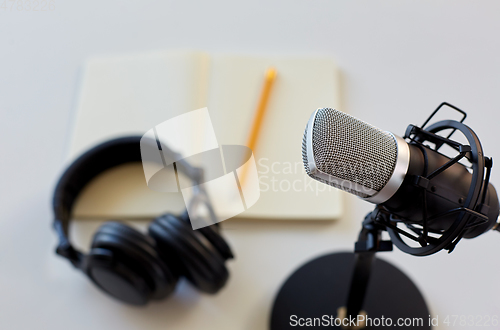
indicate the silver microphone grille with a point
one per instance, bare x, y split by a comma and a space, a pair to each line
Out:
347, 153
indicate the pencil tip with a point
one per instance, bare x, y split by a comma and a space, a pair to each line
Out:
271, 73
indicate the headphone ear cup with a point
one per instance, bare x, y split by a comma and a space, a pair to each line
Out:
218, 242
197, 259
116, 278
126, 264
211, 233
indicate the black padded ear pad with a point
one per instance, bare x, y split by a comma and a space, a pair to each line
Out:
211, 233
126, 264
199, 261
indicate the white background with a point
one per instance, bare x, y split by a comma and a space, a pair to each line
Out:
398, 59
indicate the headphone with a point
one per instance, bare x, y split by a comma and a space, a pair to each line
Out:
133, 267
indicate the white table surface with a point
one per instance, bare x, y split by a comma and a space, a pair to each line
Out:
399, 60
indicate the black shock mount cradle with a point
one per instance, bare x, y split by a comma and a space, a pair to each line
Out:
359, 281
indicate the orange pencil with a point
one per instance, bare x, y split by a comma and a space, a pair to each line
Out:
259, 115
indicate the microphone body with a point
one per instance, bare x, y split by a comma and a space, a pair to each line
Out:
382, 168
445, 192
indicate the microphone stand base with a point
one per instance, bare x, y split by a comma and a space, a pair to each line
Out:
312, 295
342, 313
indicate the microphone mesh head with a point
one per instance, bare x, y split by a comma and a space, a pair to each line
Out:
356, 156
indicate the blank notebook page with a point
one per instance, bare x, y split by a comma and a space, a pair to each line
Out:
129, 95
302, 85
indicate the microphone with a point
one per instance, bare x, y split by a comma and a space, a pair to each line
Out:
413, 183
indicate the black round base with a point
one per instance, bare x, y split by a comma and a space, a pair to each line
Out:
320, 287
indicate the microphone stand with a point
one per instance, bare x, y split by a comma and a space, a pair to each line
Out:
348, 284
369, 242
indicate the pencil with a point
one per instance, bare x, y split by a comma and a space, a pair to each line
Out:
259, 115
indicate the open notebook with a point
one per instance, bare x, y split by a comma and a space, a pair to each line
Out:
131, 94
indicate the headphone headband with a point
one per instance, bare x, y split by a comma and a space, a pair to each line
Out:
86, 167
